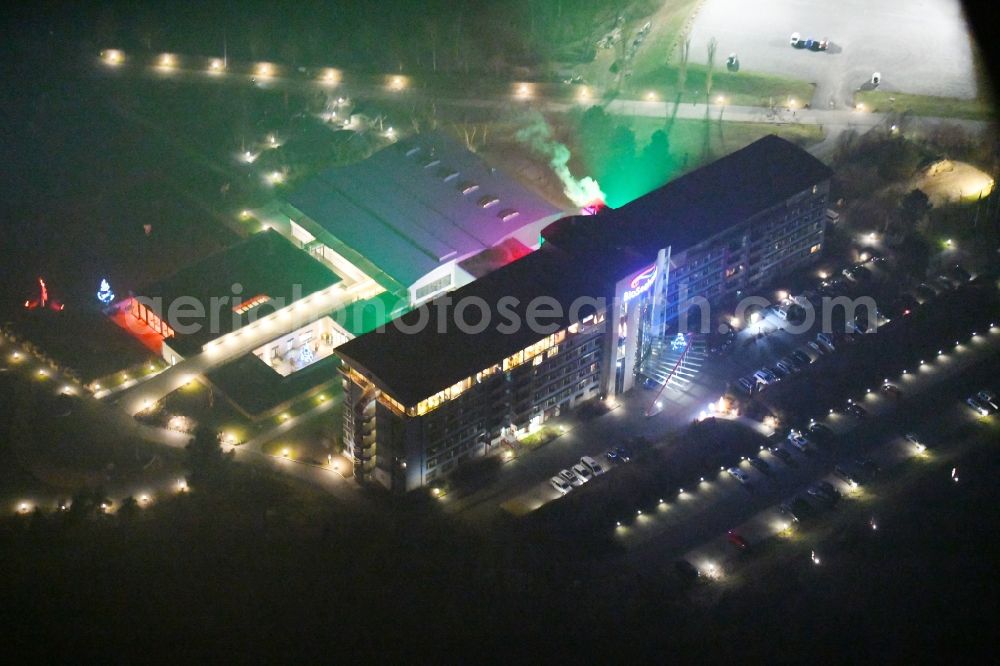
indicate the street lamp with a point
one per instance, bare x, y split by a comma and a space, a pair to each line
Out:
113, 57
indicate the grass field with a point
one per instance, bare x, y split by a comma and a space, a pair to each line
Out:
667, 25
741, 88
924, 105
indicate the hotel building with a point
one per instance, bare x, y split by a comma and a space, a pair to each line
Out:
420, 400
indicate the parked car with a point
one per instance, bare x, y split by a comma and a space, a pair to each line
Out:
913, 439
821, 495
748, 384
820, 432
856, 410
797, 509
786, 365
583, 472
737, 540
869, 468
828, 487
760, 465
765, 376
988, 399
798, 440
925, 292
592, 465
686, 570
778, 372
798, 42
826, 341
815, 346
738, 474
571, 478
849, 474
891, 389
801, 357
783, 455
979, 407
560, 484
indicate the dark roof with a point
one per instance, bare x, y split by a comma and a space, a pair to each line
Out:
255, 388
584, 256
700, 204
404, 210
265, 264
414, 366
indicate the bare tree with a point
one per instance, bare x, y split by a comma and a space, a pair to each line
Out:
713, 45
682, 63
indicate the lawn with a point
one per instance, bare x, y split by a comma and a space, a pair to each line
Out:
740, 88
540, 437
924, 105
81, 338
668, 23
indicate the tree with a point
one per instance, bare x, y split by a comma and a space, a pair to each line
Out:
129, 510
914, 255
682, 63
205, 459
655, 164
713, 45
914, 206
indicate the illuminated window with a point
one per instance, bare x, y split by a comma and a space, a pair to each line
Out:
251, 303
815, 248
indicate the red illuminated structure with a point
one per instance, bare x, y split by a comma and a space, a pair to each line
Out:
43, 301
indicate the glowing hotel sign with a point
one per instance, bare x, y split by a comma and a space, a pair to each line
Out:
640, 283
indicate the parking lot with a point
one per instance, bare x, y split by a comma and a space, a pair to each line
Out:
939, 350
919, 46
698, 520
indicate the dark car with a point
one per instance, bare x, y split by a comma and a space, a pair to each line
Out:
798, 509
760, 465
868, 467
958, 273
849, 474
820, 433
943, 283
801, 357
783, 455
856, 410
779, 373
821, 495
737, 540
686, 570
891, 389
621, 454
925, 292
747, 384
827, 487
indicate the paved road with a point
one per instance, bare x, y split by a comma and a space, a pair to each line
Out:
503, 98
919, 46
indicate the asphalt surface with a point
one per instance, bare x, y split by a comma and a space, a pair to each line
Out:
933, 401
919, 46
